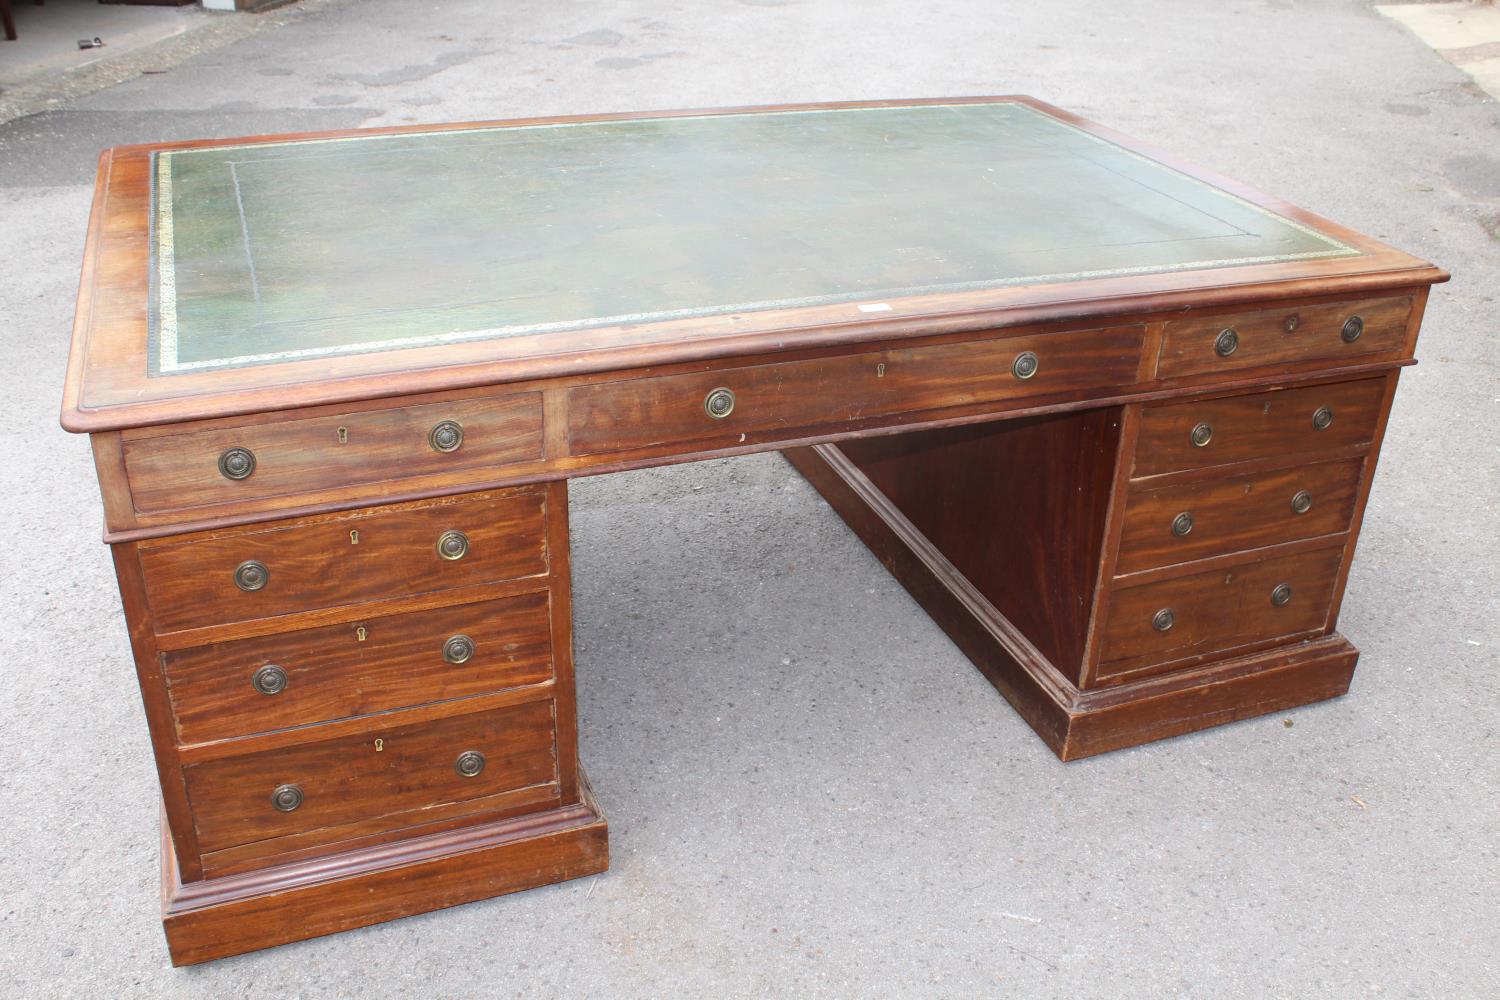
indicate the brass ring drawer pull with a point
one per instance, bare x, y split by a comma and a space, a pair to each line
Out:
469, 763
286, 798
453, 545
1353, 327
237, 463
1163, 620
251, 575
1227, 342
719, 403
1182, 524
1322, 418
446, 436
458, 649
1025, 365
1203, 433
1301, 502
269, 679
1281, 595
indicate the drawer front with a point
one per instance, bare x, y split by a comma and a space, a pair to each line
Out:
771, 400
182, 471
372, 665
1218, 610
345, 781
1233, 513
1193, 345
341, 559
1287, 422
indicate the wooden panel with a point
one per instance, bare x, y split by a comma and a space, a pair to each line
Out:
332, 673
1291, 333
315, 562
1018, 508
1262, 425
1235, 512
180, 470
347, 780
1217, 610
771, 400
1074, 724
236, 914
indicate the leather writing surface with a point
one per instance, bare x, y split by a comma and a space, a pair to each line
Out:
304, 249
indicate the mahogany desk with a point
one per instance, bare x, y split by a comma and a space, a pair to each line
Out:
336, 386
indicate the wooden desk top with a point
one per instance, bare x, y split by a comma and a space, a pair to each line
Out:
233, 276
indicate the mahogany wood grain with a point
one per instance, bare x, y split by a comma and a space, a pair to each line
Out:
1127, 715
1284, 334
1235, 512
332, 673
1017, 507
107, 388
1073, 723
389, 770
177, 814
313, 897
1216, 610
316, 562
177, 472
380, 829
137, 526
1262, 425
1362, 499
1027, 539
1114, 524
771, 400
432, 711
569, 773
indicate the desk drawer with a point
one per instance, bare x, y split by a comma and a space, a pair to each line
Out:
1284, 423
341, 782
263, 571
1338, 332
361, 667
1198, 520
774, 399
460, 440
1217, 610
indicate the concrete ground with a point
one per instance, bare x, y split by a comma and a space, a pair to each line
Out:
47, 37
811, 792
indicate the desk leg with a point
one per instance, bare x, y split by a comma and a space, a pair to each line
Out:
1001, 542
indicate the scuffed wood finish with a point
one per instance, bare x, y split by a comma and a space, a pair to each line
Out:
1261, 425
1218, 610
1016, 507
316, 563
772, 400
1230, 513
1074, 723
1030, 517
388, 770
1290, 333
334, 674
325, 895
180, 471
108, 387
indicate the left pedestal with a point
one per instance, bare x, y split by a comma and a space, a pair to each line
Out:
360, 715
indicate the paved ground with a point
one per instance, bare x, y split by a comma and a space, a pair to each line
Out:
811, 792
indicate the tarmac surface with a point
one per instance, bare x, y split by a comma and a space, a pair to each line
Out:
811, 792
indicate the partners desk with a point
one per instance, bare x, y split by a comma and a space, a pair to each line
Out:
1112, 420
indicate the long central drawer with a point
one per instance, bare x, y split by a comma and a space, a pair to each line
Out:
240, 574
738, 405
